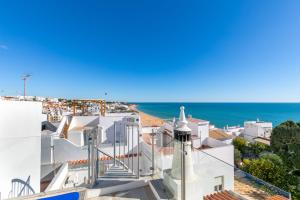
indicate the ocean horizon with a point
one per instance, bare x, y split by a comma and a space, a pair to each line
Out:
227, 113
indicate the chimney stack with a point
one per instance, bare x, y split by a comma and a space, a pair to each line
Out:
181, 178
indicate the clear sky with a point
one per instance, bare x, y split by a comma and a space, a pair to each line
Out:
152, 50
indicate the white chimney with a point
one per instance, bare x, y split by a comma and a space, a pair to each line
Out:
182, 135
173, 178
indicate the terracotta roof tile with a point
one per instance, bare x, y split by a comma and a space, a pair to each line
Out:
85, 161
194, 120
276, 197
224, 195
219, 134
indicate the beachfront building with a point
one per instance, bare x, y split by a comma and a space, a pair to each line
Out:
20, 144
257, 131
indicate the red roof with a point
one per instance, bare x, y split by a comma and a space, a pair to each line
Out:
85, 161
276, 197
194, 120
219, 135
224, 195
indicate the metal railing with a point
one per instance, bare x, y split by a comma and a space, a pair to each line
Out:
111, 158
20, 188
100, 161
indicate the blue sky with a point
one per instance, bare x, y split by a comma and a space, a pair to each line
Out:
152, 50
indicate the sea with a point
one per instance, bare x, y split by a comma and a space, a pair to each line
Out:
223, 114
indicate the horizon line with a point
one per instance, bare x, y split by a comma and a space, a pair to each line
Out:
210, 101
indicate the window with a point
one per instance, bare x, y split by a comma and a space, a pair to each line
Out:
219, 183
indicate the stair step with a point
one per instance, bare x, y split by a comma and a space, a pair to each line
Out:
118, 177
118, 174
117, 167
117, 170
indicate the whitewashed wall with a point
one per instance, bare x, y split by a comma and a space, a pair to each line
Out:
108, 129
201, 130
107, 124
64, 150
251, 131
82, 121
20, 143
75, 131
45, 149
207, 167
76, 137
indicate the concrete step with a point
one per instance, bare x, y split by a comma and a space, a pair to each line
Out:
118, 172
112, 177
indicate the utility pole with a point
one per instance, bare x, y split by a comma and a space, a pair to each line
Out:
24, 78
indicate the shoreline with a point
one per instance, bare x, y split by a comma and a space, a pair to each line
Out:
147, 120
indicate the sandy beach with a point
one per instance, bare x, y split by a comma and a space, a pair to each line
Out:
146, 119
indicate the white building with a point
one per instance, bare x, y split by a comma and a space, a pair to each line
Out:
110, 121
233, 130
209, 166
213, 159
257, 129
200, 130
20, 144
76, 132
70, 139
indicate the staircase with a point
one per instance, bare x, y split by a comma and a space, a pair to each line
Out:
114, 178
115, 170
119, 168
118, 172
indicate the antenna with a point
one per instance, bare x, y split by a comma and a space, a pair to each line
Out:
24, 77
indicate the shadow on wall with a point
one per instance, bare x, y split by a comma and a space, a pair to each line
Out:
95, 122
109, 133
83, 121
